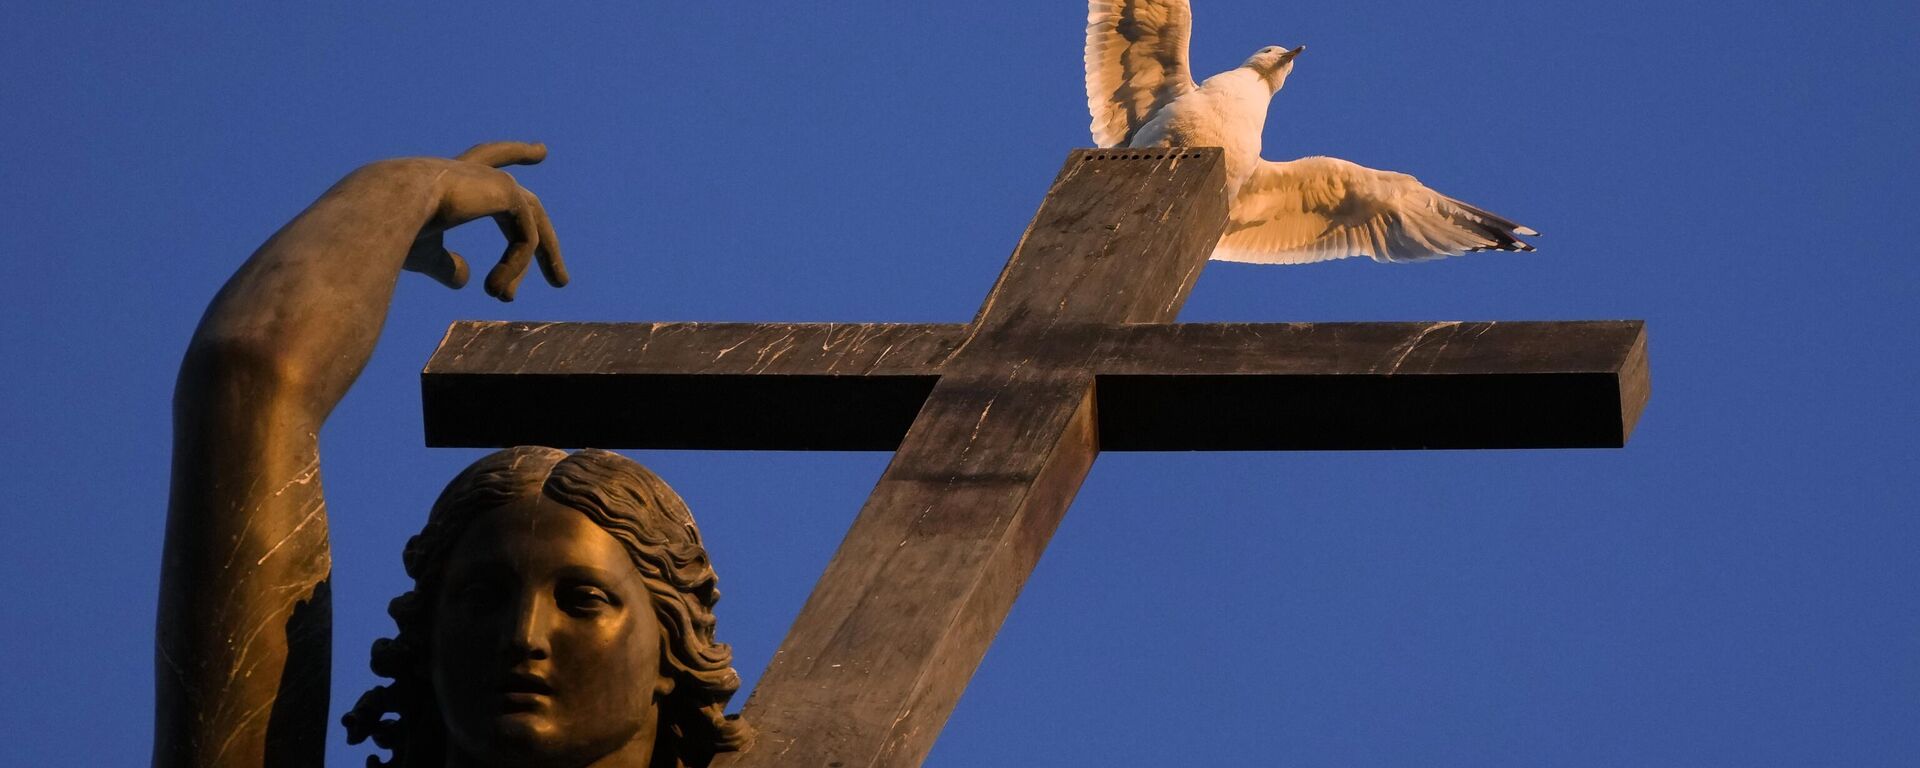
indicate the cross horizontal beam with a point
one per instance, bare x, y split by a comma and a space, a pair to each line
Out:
1169, 387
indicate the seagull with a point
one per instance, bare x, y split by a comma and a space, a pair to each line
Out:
1312, 209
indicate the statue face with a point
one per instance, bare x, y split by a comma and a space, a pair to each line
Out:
546, 650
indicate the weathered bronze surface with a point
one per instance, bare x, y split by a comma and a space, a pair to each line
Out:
562, 609
996, 422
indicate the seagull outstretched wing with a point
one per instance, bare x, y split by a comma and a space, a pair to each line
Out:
1136, 63
1320, 208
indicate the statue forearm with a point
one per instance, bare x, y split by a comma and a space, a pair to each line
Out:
301, 316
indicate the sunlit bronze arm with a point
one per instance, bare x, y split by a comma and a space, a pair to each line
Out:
242, 657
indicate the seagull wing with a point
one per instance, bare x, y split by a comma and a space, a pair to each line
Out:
1320, 208
1136, 63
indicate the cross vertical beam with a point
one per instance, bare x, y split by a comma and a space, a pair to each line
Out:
932, 565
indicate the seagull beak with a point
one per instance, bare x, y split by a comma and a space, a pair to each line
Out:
1288, 56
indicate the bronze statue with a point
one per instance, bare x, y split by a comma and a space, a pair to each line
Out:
562, 608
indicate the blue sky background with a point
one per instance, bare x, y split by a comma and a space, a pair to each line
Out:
1738, 587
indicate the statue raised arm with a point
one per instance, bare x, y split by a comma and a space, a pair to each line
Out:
244, 622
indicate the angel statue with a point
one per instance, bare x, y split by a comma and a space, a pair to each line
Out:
562, 607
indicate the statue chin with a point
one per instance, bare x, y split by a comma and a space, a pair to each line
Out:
524, 739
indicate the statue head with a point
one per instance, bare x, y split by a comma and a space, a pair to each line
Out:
562, 612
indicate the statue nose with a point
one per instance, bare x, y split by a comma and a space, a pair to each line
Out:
532, 619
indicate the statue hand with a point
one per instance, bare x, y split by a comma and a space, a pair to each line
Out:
302, 315
472, 186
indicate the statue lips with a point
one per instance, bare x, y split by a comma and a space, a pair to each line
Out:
524, 691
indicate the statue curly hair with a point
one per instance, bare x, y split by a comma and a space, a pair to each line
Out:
655, 528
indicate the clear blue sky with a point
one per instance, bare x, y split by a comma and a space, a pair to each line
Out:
1738, 587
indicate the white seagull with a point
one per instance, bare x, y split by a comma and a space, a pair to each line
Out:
1308, 210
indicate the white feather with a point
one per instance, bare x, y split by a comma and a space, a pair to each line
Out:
1320, 208
1141, 94
1136, 60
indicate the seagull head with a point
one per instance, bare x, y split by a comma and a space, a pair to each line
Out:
1273, 63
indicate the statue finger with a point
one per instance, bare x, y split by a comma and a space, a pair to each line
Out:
453, 272
504, 280
547, 255
504, 153
522, 240
429, 256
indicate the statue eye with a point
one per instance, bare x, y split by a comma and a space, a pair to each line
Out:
581, 598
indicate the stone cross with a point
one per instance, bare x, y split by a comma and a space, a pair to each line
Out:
995, 423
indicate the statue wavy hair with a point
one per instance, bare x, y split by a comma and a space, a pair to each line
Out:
654, 526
